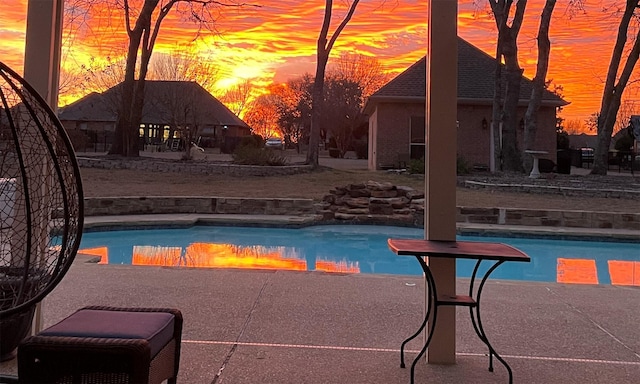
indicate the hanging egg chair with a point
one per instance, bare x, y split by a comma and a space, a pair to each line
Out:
41, 205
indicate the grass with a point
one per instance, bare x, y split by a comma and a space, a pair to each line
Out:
119, 182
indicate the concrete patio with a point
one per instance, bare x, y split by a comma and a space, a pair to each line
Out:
253, 326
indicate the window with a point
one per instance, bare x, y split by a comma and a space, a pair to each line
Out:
417, 126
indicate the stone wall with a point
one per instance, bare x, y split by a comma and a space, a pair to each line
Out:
561, 187
548, 218
371, 202
197, 167
374, 201
107, 206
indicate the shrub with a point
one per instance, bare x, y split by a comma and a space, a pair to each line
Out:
255, 141
462, 167
625, 141
249, 155
361, 148
334, 152
416, 166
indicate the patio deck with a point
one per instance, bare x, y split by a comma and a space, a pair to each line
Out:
250, 326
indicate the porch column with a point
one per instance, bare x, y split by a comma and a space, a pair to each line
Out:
440, 165
42, 48
42, 64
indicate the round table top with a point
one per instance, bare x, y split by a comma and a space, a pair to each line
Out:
532, 152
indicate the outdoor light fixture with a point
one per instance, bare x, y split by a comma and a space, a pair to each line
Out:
485, 124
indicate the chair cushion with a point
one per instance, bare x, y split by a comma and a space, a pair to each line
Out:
155, 327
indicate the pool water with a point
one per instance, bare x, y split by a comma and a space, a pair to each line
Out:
355, 249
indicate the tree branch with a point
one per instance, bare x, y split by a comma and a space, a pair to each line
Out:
326, 23
127, 17
343, 24
521, 6
616, 55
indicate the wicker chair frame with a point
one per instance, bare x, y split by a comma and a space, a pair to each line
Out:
41, 205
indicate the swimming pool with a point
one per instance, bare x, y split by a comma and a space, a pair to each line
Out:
354, 249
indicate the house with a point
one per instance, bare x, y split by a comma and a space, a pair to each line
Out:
171, 112
397, 113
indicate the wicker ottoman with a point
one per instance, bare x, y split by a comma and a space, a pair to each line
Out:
105, 345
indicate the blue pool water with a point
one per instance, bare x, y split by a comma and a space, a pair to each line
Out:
354, 249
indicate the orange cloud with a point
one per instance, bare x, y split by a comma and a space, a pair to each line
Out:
12, 32
277, 40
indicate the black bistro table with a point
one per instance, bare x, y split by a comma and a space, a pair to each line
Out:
497, 253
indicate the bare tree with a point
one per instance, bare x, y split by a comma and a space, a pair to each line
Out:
539, 81
366, 71
70, 75
143, 20
184, 66
615, 84
505, 119
574, 127
343, 97
627, 108
237, 97
183, 105
592, 121
262, 115
294, 110
100, 77
323, 51
183, 111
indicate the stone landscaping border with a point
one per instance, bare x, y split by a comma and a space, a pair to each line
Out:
196, 167
370, 203
108, 206
552, 189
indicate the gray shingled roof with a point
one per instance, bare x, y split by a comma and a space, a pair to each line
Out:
93, 107
475, 80
158, 93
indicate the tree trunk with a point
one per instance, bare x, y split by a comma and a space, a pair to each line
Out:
531, 116
510, 124
612, 93
508, 49
122, 135
496, 113
513, 74
316, 108
132, 97
323, 51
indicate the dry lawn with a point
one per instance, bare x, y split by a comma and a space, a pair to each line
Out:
112, 183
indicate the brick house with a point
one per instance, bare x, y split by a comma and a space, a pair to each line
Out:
397, 113
170, 107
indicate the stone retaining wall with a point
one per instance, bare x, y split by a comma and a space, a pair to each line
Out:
374, 202
618, 192
405, 208
548, 218
107, 206
197, 167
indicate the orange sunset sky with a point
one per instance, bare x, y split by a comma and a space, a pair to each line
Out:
276, 41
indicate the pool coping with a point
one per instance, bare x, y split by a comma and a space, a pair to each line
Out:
154, 221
